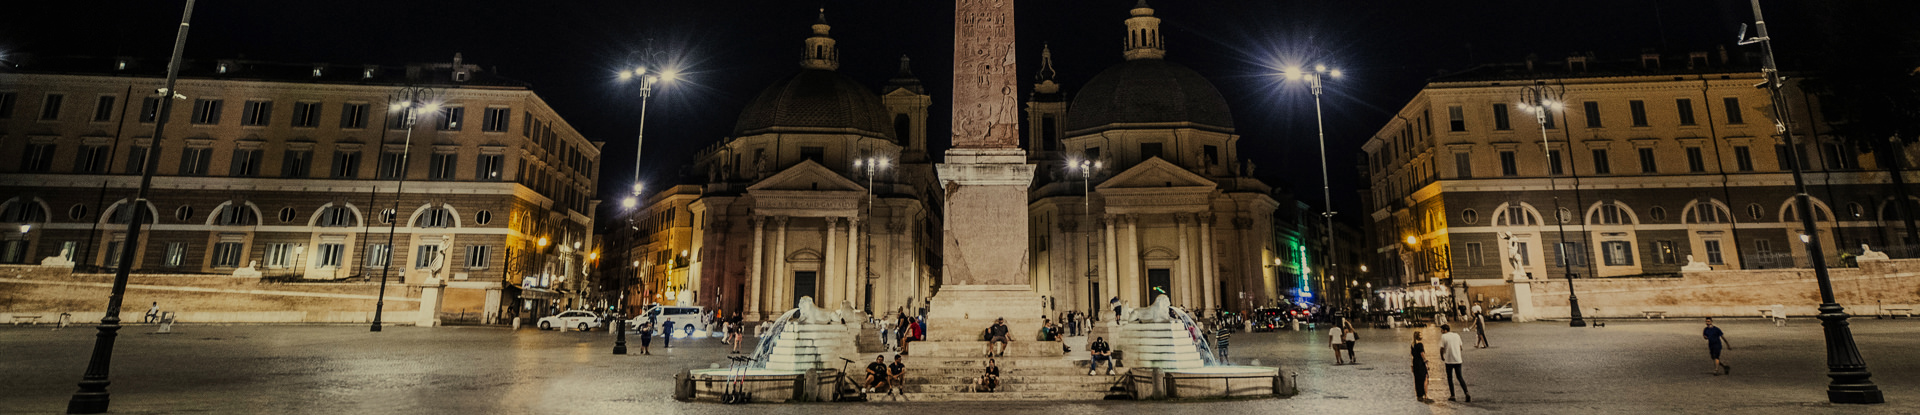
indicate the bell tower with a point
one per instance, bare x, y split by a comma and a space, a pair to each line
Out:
1046, 113
1143, 34
821, 53
907, 103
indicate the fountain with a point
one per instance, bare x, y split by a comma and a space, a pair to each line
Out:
802, 339
1171, 358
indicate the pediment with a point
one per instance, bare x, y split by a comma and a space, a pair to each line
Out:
1157, 174
806, 176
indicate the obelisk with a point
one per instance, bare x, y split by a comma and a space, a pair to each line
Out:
985, 177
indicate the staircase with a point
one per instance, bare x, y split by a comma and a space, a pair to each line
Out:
1033, 371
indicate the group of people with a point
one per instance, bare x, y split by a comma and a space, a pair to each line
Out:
884, 377
1449, 355
903, 331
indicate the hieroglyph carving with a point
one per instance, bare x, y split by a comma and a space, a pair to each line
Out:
984, 101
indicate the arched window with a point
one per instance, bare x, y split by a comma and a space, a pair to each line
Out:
902, 127
121, 214
1611, 213
23, 210
235, 214
337, 217
1705, 211
1820, 212
435, 217
1516, 215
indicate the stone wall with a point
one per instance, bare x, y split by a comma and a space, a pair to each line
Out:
1863, 291
50, 291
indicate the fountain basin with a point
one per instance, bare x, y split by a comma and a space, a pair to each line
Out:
1209, 382
766, 385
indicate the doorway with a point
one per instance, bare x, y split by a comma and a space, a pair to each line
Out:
803, 286
1159, 283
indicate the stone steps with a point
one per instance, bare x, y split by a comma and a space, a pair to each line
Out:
1012, 387
1010, 380
1000, 396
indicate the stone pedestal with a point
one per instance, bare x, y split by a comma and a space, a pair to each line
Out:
1522, 301
430, 299
986, 247
960, 313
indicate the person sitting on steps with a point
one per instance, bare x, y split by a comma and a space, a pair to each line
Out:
997, 334
1101, 354
896, 376
877, 373
991, 380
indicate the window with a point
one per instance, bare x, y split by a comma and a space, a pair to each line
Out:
6, 104
1526, 259
424, 255
113, 253
1647, 164
149, 109
279, 255
226, 255
330, 255
50, 109
1500, 121
92, 159
1555, 165
1151, 150
1549, 118
1564, 215
1211, 154
37, 158
336, 217
441, 166
1787, 155
1839, 157
1733, 111
1754, 211
436, 217
235, 214
1609, 214
1593, 113
306, 114
1508, 166
23, 211
1763, 248
1696, 162
1456, 119
1657, 213
246, 163
286, 214
1093, 153
78, 212
183, 213
346, 164
452, 117
477, 256
482, 217
378, 254
195, 161
176, 253
206, 111
353, 116
1686, 110
1463, 165
495, 119
398, 119
296, 163
1517, 215
393, 164
1713, 253
256, 113
1569, 254
817, 154
1709, 213
1618, 253
1639, 110
1473, 255
489, 167
1664, 250
1469, 216
103, 110
1601, 165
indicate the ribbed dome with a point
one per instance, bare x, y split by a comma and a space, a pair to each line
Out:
1148, 91
815, 101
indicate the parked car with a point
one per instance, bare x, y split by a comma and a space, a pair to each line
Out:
682, 316
580, 319
1268, 319
1503, 312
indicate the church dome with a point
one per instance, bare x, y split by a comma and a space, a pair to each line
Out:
1148, 91
816, 100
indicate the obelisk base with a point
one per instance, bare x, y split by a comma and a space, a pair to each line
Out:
985, 236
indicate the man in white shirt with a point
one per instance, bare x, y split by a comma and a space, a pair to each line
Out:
1450, 355
1338, 339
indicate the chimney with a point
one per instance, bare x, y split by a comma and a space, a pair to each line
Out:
1531, 58
459, 71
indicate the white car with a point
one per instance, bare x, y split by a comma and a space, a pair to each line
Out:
680, 315
1503, 312
579, 319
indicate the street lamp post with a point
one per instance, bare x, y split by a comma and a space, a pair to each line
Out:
93, 398
1536, 102
870, 165
1851, 381
1314, 80
412, 101
1086, 169
648, 77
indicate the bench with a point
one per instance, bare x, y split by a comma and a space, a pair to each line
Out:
1650, 314
32, 319
1908, 311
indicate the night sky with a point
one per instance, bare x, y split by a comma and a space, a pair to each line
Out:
729, 49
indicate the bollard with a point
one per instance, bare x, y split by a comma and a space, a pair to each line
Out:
683, 386
620, 336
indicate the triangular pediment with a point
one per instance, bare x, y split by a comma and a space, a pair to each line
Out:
1158, 174
807, 176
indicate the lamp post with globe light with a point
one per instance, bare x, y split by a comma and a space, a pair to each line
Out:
1314, 79
408, 103
1086, 168
1537, 102
871, 166
647, 77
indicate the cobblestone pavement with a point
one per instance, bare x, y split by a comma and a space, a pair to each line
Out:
1630, 366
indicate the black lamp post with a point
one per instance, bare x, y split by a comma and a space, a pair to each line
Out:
620, 336
410, 109
92, 398
1851, 381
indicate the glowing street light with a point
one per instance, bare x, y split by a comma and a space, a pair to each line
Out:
648, 78
1314, 80
1086, 168
408, 102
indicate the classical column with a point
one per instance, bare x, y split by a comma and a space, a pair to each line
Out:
759, 266
781, 286
1209, 282
1110, 261
829, 269
856, 274
1184, 278
1131, 254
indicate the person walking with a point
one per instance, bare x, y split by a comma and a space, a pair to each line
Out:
153, 314
1116, 308
1716, 339
1352, 337
1221, 339
1420, 369
1450, 355
1336, 338
646, 336
1480, 328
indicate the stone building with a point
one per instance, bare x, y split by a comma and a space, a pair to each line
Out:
292, 170
1655, 160
1169, 209
824, 189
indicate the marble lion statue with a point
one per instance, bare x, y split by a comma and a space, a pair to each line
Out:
810, 314
1160, 312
